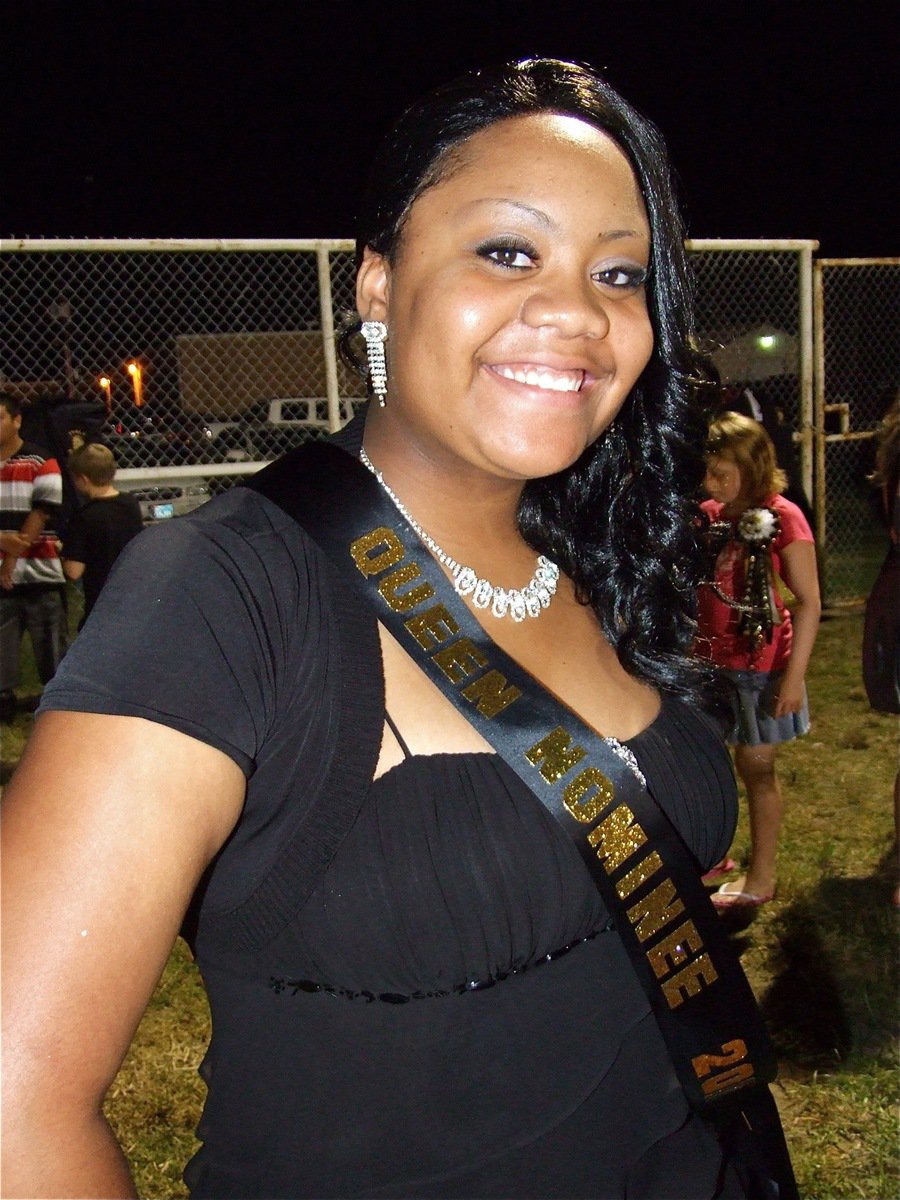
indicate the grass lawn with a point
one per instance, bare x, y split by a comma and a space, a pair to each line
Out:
822, 959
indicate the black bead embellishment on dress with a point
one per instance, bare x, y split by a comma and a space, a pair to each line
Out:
296, 986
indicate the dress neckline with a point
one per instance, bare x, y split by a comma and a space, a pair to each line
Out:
463, 756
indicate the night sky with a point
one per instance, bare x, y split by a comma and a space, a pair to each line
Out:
198, 119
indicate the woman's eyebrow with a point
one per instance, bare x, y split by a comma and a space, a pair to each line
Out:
613, 234
548, 222
537, 213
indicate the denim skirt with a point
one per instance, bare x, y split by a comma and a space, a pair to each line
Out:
753, 696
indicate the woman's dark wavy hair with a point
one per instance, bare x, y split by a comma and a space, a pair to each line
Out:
621, 520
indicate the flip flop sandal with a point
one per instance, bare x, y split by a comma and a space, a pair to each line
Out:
723, 899
722, 868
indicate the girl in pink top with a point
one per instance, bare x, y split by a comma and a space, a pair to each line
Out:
761, 646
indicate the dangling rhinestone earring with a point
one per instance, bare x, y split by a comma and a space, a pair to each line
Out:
375, 333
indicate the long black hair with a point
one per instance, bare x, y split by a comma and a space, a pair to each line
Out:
619, 521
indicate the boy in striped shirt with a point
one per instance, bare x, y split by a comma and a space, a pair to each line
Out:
32, 584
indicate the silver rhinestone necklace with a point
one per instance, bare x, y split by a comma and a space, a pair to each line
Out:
530, 601
518, 603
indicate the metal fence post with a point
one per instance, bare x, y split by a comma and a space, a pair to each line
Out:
326, 311
821, 482
806, 368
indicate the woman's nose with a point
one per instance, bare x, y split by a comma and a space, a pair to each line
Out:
572, 306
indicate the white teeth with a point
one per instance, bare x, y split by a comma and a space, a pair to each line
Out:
550, 381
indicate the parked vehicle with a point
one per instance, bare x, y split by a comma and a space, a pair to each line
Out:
289, 422
231, 441
140, 438
160, 501
269, 429
296, 411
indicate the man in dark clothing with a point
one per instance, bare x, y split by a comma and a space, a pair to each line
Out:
102, 527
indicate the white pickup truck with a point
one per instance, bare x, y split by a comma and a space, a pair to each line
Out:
272, 428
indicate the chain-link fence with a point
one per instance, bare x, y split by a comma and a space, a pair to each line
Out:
189, 353
857, 304
196, 361
754, 318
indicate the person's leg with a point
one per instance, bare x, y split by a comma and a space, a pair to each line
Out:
45, 619
895, 895
756, 769
10, 645
11, 629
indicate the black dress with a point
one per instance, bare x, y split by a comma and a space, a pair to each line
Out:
350, 1054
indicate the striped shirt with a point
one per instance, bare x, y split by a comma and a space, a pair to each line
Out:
31, 479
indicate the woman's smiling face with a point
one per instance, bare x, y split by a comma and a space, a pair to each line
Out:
516, 306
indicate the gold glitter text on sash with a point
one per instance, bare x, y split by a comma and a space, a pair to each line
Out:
391, 553
616, 838
657, 909
389, 587
552, 755
588, 794
490, 694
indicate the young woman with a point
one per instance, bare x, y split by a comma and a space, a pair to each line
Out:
444, 1008
747, 629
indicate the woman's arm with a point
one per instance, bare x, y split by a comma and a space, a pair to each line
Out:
798, 563
107, 826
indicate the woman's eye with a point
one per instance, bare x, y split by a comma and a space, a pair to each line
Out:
626, 278
513, 258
